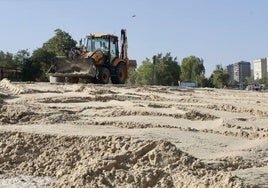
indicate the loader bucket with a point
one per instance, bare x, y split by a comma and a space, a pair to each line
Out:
67, 67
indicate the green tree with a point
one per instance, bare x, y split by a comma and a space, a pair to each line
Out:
29, 70
202, 80
132, 77
43, 59
166, 69
264, 80
61, 40
6, 60
35, 67
249, 80
233, 83
145, 73
207, 82
220, 77
20, 58
192, 69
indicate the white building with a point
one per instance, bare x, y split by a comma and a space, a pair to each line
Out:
260, 68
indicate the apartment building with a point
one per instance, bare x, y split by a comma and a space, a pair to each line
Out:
230, 71
260, 68
239, 71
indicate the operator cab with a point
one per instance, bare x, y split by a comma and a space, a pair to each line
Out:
108, 44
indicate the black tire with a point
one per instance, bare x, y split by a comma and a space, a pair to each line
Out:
104, 75
120, 76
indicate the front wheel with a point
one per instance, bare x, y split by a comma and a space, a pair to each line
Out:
104, 75
120, 76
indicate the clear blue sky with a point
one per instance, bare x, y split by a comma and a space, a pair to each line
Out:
219, 31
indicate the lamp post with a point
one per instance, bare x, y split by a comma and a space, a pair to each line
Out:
154, 69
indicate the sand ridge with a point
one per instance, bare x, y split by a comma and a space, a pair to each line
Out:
124, 136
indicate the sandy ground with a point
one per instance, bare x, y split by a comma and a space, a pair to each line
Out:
85, 135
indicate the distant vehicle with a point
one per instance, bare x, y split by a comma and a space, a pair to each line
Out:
187, 84
255, 87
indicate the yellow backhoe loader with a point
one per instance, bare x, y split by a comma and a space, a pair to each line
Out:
97, 59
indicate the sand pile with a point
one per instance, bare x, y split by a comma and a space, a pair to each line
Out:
7, 87
26, 114
106, 161
235, 109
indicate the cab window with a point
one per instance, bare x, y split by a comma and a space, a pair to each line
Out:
114, 50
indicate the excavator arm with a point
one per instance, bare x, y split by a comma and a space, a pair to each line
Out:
124, 45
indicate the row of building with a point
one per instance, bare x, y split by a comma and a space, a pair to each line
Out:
239, 71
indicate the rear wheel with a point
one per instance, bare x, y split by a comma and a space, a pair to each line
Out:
104, 75
120, 74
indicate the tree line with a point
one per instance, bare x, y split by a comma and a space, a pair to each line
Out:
34, 67
164, 70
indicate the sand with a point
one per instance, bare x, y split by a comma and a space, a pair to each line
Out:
86, 135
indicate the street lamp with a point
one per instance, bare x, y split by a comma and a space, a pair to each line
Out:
154, 68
